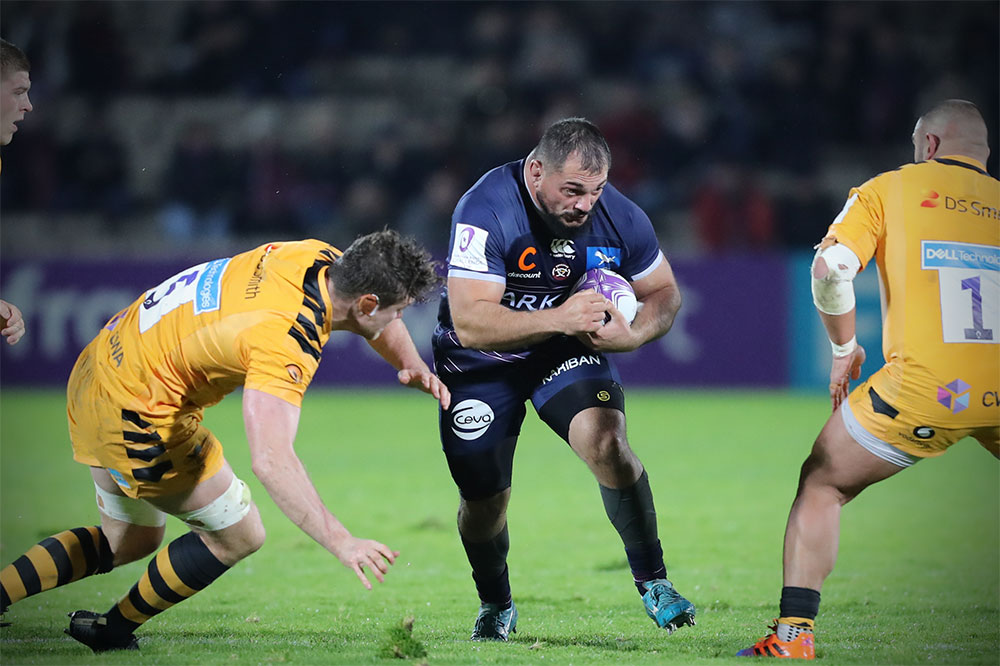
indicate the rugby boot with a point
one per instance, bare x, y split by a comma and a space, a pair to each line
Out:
494, 623
803, 646
92, 630
666, 606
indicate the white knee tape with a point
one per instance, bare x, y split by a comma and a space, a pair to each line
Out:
128, 509
227, 509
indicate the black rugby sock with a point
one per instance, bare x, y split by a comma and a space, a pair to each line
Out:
489, 568
185, 567
60, 559
632, 513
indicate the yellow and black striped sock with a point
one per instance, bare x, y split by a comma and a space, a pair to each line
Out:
60, 559
184, 567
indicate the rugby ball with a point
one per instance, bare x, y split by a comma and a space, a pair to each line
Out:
612, 286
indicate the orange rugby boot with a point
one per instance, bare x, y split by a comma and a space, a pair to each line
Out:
802, 646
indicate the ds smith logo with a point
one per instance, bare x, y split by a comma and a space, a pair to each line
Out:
954, 396
930, 199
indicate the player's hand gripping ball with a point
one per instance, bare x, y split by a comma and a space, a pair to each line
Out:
612, 286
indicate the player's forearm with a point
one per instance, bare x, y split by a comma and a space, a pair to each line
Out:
839, 328
657, 314
396, 346
289, 486
491, 326
271, 424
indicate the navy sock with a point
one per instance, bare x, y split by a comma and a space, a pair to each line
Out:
489, 568
799, 602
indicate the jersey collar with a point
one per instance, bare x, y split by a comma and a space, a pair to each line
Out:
963, 161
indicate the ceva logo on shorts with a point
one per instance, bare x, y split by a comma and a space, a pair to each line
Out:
954, 396
470, 419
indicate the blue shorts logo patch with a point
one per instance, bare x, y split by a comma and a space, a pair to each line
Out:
603, 257
118, 477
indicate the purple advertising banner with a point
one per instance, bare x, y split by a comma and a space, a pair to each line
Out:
731, 331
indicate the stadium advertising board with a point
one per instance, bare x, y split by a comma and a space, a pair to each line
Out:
732, 329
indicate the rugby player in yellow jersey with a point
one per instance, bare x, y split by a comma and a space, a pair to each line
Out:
14, 103
135, 403
933, 228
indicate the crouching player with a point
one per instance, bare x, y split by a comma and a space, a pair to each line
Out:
135, 403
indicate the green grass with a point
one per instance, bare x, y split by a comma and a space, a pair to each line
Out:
917, 581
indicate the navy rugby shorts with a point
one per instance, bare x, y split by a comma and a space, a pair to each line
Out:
561, 377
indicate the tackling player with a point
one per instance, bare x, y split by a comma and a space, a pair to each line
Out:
14, 103
510, 331
933, 229
135, 403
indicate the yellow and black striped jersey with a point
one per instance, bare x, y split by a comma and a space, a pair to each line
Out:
934, 230
258, 319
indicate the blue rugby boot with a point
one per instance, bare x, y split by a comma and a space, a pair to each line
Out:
494, 623
667, 608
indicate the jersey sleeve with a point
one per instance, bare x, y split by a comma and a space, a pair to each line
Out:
644, 253
276, 363
476, 248
861, 222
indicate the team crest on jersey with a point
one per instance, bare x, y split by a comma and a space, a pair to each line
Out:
294, 372
603, 257
561, 271
562, 248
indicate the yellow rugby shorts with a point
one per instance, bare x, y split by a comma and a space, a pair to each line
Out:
910, 433
147, 457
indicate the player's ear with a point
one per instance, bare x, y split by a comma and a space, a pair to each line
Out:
368, 304
534, 170
933, 141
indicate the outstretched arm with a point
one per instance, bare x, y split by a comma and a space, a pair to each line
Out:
11, 322
271, 424
396, 346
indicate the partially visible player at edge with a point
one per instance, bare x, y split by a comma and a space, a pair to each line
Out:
14, 103
135, 403
510, 330
940, 270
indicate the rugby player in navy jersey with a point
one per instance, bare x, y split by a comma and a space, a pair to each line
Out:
510, 330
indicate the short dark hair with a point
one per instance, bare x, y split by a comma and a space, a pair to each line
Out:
574, 135
12, 59
384, 263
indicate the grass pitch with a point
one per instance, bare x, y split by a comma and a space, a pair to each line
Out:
918, 579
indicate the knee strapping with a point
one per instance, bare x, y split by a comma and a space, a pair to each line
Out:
227, 509
129, 509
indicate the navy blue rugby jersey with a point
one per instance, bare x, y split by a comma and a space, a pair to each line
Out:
498, 235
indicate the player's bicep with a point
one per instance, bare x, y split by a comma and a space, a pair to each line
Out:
659, 278
464, 293
859, 224
270, 422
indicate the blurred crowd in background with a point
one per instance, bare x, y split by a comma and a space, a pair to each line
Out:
738, 126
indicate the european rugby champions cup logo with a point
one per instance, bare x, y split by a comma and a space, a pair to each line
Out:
465, 239
954, 396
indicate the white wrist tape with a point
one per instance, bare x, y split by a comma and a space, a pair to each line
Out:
833, 294
846, 348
